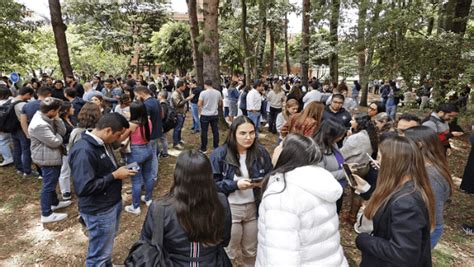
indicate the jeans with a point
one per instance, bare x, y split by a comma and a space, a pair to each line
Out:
272, 119
243, 236
154, 160
436, 235
214, 121
255, 117
5, 149
392, 111
143, 155
164, 144
21, 151
195, 112
178, 128
48, 190
102, 228
65, 177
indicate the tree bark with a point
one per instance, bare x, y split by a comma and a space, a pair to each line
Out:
243, 32
361, 46
211, 42
271, 62
194, 32
333, 25
59, 29
305, 43
262, 36
287, 53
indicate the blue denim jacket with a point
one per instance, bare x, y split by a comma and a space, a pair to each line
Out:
224, 167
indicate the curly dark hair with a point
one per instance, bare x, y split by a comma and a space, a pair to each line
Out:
365, 123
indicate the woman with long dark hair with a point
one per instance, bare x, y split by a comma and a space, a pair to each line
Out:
363, 141
239, 167
402, 209
326, 138
196, 218
141, 153
437, 169
298, 223
65, 113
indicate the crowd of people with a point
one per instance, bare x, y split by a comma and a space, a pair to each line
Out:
237, 200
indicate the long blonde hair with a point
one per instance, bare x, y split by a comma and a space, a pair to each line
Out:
401, 158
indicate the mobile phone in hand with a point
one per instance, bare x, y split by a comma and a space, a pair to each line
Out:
374, 162
133, 166
256, 180
348, 174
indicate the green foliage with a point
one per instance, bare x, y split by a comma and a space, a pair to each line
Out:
172, 47
12, 25
116, 25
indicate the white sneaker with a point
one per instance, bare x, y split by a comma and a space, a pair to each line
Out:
148, 203
54, 217
132, 210
61, 204
6, 162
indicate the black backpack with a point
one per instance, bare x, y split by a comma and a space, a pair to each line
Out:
171, 119
8, 120
144, 253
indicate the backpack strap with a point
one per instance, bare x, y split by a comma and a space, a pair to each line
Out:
158, 216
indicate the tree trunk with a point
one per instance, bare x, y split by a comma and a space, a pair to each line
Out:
243, 31
287, 53
371, 47
59, 29
194, 32
333, 25
211, 42
305, 43
361, 46
262, 36
272, 52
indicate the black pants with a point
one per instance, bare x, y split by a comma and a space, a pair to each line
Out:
244, 111
205, 121
272, 119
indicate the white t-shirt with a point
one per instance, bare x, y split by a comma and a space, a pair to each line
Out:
225, 93
210, 102
242, 196
254, 100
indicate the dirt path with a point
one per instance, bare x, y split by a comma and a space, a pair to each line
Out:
26, 242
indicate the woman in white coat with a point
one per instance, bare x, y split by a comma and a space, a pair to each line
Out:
298, 224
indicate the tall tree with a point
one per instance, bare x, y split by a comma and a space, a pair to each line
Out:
194, 31
305, 43
262, 36
287, 50
361, 49
333, 25
59, 29
211, 42
244, 36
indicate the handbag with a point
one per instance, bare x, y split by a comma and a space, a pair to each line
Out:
125, 146
147, 254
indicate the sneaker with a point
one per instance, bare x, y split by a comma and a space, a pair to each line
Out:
147, 202
178, 147
54, 217
67, 196
203, 151
40, 177
61, 204
468, 229
6, 162
132, 210
164, 155
181, 142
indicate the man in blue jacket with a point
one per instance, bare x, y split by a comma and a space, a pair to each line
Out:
98, 184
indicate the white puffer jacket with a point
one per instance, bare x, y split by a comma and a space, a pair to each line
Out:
300, 226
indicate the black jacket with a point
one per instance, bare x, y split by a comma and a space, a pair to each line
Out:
401, 234
92, 169
342, 116
224, 167
175, 239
